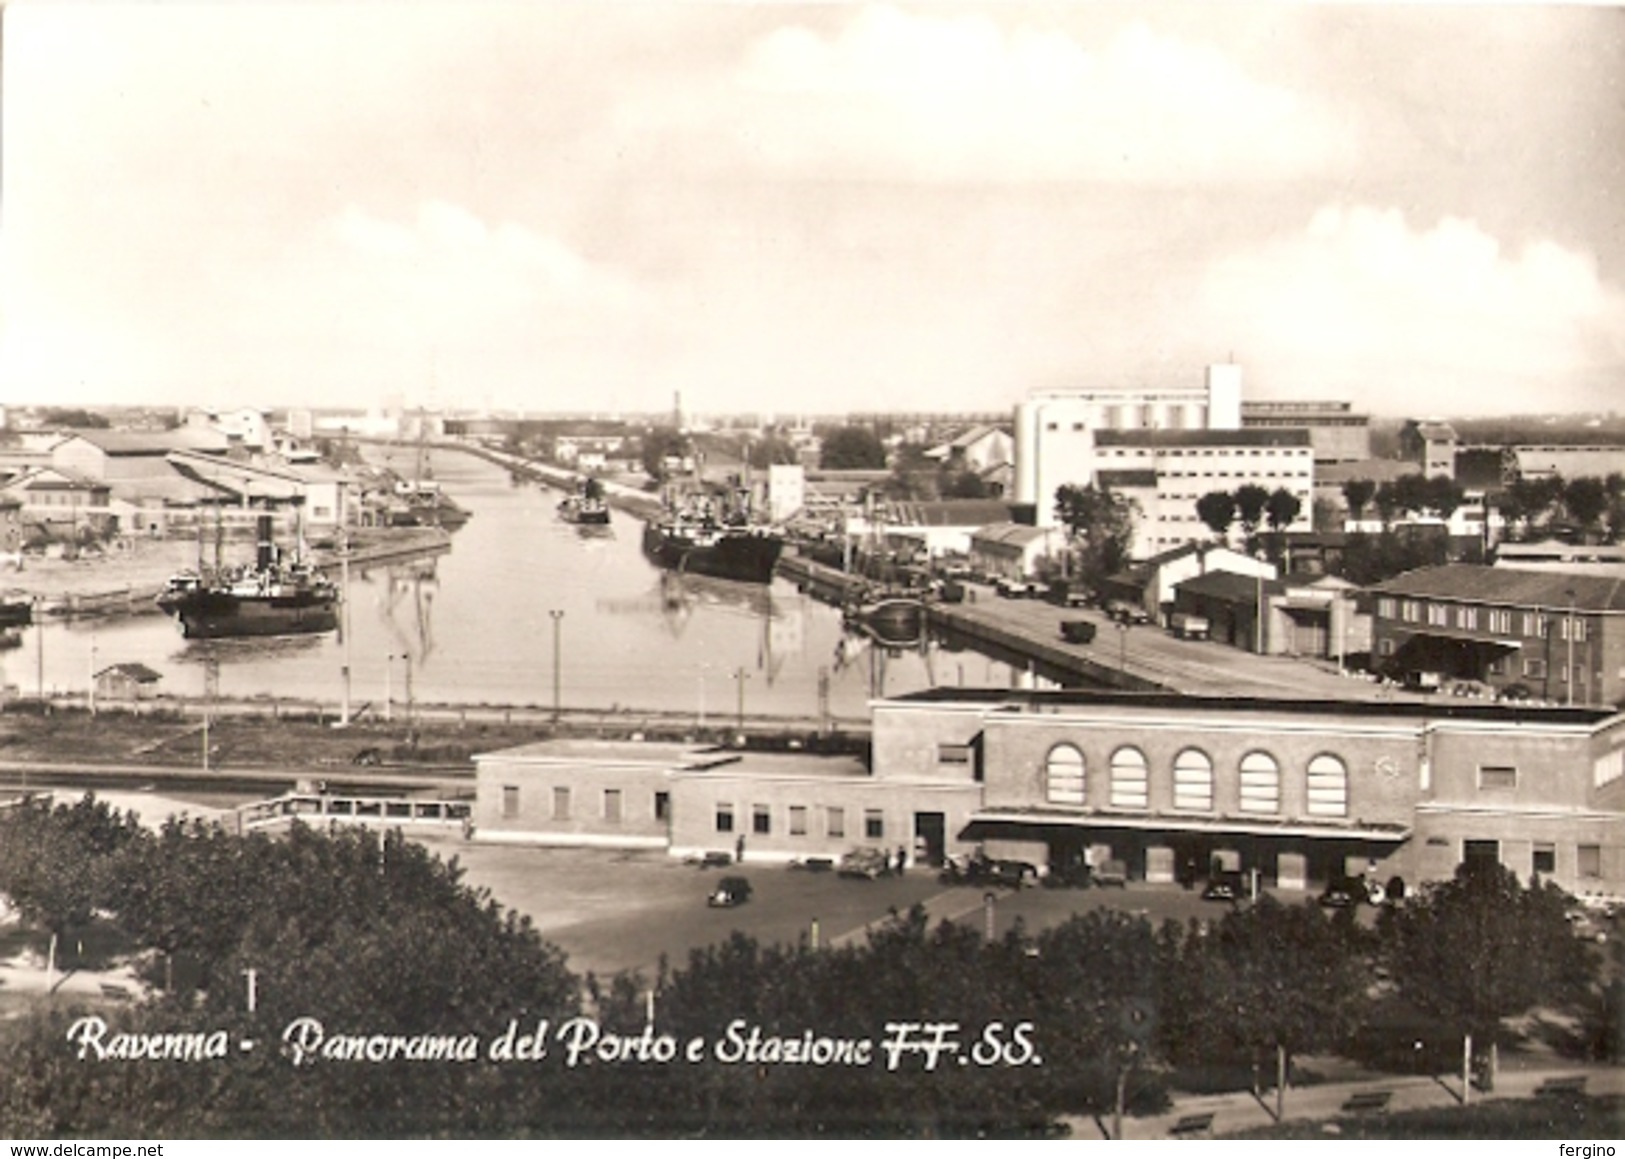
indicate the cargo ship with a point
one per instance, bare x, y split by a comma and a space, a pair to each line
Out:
691, 539
271, 597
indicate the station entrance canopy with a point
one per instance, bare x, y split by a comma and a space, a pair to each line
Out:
1039, 824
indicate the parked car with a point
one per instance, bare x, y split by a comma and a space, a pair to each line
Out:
1071, 595
730, 891
865, 862
1126, 613
1585, 926
1078, 631
1112, 872
1012, 589
1226, 885
1343, 892
1189, 627
978, 870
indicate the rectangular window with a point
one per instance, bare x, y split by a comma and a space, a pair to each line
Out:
1410, 611
1545, 859
953, 754
1385, 646
612, 806
1534, 624
835, 821
1608, 768
1588, 860
725, 817
1497, 777
1567, 625
510, 800
1500, 621
1534, 668
761, 819
874, 825
798, 820
1439, 615
1467, 618
662, 806
561, 803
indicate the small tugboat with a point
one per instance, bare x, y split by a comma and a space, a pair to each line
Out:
586, 507
695, 538
272, 597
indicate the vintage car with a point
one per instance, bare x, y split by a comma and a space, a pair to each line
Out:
865, 862
730, 891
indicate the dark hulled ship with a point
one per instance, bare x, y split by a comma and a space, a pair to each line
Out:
691, 538
271, 597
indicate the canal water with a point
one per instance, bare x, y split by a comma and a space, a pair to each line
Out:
477, 625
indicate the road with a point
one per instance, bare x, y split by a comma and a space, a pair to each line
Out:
1155, 656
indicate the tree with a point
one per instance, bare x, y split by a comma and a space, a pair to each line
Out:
772, 451
1586, 500
1481, 947
1251, 499
1282, 507
1271, 977
1217, 509
852, 449
1104, 523
57, 863
660, 444
1357, 493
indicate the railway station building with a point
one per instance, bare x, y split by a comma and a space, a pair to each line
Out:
1299, 791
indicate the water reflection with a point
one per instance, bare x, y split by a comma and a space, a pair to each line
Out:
476, 625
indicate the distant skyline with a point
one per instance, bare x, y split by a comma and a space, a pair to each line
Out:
812, 208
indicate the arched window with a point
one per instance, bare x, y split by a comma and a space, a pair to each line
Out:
1260, 784
1130, 782
1063, 775
1193, 781
1328, 785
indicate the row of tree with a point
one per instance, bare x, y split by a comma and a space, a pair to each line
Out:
1250, 505
373, 935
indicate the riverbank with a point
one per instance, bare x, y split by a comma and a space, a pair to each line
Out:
127, 577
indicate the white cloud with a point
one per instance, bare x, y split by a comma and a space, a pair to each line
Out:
1445, 315
895, 94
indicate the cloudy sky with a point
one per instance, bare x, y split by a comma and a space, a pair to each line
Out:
828, 207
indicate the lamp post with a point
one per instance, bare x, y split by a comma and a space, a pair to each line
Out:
741, 676
344, 608
556, 615
389, 687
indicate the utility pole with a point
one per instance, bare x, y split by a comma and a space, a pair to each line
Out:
741, 676
556, 615
344, 606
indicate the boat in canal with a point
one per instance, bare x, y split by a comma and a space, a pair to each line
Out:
705, 547
273, 596
891, 618
586, 506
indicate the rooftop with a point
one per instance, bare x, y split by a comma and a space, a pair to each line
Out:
1476, 583
1031, 700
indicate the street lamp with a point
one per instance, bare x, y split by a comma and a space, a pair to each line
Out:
556, 614
741, 676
